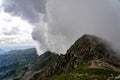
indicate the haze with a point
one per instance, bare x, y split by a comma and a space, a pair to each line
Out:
56, 24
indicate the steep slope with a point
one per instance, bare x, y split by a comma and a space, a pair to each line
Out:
42, 62
85, 49
15, 56
84, 72
15, 63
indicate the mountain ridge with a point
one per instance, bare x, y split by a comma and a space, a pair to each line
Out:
15, 63
85, 49
40, 63
11, 57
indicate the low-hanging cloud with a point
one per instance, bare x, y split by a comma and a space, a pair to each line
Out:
67, 20
70, 19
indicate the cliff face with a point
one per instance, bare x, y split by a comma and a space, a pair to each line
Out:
86, 48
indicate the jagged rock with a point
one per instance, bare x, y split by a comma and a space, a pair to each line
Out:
85, 49
103, 65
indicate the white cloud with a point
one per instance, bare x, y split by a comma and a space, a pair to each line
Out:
14, 31
66, 21
70, 19
0, 2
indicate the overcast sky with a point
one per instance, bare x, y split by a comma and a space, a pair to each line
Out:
56, 24
14, 31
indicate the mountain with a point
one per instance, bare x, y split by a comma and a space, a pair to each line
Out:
1, 51
22, 64
40, 63
89, 58
15, 63
15, 56
44, 60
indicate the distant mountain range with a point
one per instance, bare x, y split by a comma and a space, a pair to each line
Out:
2, 51
15, 56
89, 58
22, 64
9, 48
15, 63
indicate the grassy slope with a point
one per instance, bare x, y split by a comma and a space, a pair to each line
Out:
85, 73
19, 70
42, 63
17, 56
20, 62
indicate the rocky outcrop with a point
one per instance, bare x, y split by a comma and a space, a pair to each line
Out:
103, 65
85, 49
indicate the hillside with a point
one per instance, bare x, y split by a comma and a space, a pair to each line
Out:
84, 72
15, 56
15, 63
87, 49
44, 60
40, 63
22, 64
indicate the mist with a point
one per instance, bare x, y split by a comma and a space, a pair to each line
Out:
68, 20
62, 22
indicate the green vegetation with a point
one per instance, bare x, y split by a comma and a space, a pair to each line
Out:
44, 61
13, 71
73, 65
15, 63
16, 56
18, 71
85, 73
19, 62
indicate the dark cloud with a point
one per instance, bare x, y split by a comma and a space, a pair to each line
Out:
70, 19
66, 20
34, 11
27, 9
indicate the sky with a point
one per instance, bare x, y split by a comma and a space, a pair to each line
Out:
56, 24
14, 31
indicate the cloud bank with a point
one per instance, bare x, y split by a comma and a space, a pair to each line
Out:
27, 9
69, 19
58, 23
14, 31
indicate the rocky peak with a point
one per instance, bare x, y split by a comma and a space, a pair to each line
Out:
90, 47
86, 48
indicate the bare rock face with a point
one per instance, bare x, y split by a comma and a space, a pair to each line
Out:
103, 65
86, 48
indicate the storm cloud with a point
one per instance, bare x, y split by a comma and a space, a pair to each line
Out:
68, 20
27, 9
58, 23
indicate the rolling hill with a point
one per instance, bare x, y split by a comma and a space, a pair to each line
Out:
15, 63
22, 64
